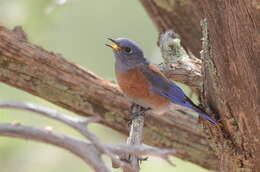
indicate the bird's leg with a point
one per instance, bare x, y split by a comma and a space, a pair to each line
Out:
137, 110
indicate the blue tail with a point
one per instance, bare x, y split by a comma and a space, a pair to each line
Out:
183, 100
171, 91
200, 112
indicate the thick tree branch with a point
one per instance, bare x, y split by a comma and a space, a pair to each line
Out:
50, 76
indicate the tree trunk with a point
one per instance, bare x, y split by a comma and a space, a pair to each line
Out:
232, 70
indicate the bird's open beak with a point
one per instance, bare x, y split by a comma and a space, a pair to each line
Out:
115, 46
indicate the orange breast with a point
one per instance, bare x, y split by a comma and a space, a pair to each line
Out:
134, 84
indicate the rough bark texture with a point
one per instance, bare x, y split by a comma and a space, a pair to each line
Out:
232, 70
232, 81
50, 76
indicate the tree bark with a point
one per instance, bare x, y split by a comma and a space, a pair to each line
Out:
232, 70
50, 76
232, 82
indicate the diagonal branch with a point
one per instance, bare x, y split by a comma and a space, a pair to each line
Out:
80, 148
50, 76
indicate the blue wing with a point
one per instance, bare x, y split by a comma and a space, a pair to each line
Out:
159, 84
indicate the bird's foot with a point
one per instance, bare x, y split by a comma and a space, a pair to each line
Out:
140, 111
140, 159
136, 111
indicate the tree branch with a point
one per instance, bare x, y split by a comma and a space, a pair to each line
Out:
86, 151
77, 124
83, 150
135, 135
93, 158
50, 76
178, 64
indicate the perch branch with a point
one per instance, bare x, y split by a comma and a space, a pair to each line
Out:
51, 77
143, 149
135, 136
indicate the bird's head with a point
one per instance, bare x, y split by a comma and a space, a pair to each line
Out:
127, 52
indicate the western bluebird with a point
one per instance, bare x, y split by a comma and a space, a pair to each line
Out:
143, 82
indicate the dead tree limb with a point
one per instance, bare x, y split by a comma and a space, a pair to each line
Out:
89, 152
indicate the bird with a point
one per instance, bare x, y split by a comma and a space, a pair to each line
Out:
144, 83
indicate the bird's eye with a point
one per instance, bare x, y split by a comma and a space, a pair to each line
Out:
127, 50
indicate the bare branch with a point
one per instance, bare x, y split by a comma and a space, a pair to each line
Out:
83, 150
86, 151
135, 136
78, 124
143, 149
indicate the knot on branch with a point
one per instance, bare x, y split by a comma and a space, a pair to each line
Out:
20, 34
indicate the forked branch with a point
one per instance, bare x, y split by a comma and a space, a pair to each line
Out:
90, 152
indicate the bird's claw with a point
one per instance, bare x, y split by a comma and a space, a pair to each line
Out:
141, 159
141, 111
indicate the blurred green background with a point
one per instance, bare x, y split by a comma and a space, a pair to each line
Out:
77, 29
